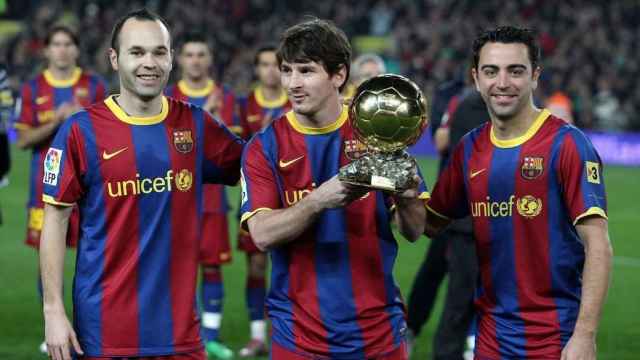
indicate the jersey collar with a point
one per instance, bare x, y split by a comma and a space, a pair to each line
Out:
75, 76
137, 120
342, 118
270, 104
196, 93
533, 129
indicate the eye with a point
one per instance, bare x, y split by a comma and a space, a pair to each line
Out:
517, 72
135, 52
490, 72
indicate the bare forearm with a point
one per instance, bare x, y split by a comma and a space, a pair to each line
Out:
410, 218
596, 274
29, 138
595, 284
52, 249
273, 228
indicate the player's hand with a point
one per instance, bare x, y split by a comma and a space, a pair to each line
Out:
580, 347
335, 193
214, 102
59, 336
65, 110
411, 193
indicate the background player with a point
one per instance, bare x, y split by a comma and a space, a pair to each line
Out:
533, 186
47, 100
197, 87
136, 164
332, 291
267, 101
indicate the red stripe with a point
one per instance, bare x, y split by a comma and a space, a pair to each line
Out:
83, 82
487, 341
185, 227
120, 272
532, 257
367, 270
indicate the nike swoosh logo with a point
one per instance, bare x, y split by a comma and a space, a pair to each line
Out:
108, 156
41, 100
476, 173
253, 118
284, 164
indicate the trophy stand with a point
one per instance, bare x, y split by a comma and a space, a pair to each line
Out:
390, 171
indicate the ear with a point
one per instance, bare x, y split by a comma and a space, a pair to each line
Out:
340, 77
113, 58
474, 73
535, 76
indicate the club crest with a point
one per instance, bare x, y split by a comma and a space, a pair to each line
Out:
354, 149
183, 141
532, 167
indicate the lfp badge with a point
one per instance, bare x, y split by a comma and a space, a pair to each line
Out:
52, 166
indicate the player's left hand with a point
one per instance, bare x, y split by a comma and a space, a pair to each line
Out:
214, 102
580, 347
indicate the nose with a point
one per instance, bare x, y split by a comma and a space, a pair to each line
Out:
503, 80
148, 61
295, 80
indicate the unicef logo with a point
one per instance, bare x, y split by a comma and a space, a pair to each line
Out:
184, 180
529, 206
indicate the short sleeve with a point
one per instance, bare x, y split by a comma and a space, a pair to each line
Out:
222, 152
26, 118
581, 177
448, 198
65, 165
259, 184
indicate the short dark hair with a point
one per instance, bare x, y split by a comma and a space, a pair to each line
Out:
263, 49
316, 40
194, 37
140, 14
61, 29
508, 35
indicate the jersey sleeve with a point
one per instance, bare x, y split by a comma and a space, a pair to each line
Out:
222, 153
581, 175
27, 117
64, 166
448, 198
259, 185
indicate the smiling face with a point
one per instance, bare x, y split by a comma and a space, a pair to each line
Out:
505, 79
195, 60
310, 87
143, 60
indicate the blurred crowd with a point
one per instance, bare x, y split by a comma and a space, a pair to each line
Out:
588, 47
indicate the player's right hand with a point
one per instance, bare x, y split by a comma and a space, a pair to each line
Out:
59, 336
335, 193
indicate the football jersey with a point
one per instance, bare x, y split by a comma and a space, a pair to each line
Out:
525, 196
332, 289
216, 195
258, 112
40, 97
138, 184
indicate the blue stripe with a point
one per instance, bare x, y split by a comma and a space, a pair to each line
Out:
388, 254
509, 325
593, 194
333, 270
154, 247
62, 95
87, 286
565, 250
198, 101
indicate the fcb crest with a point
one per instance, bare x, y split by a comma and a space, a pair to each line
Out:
183, 141
354, 149
532, 167
81, 92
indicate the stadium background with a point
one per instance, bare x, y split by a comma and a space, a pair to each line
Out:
590, 52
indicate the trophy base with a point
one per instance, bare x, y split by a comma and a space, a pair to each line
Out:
393, 172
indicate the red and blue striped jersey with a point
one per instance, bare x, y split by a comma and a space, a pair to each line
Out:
332, 289
138, 184
40, 97
525, 196
257, 112
216, 195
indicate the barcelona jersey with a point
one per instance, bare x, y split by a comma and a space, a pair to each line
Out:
332, 289
258, 112
138, 184
525, 197
215, 194
40, 98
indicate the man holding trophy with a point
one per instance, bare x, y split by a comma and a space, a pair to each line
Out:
331, 245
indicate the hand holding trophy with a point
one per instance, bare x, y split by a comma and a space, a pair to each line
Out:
388, 114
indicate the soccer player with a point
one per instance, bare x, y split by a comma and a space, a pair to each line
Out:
197, 87
364, 68
47, 100
332, 291
534, 188
135, 165
267, 101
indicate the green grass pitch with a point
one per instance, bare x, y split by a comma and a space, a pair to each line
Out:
21, 326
